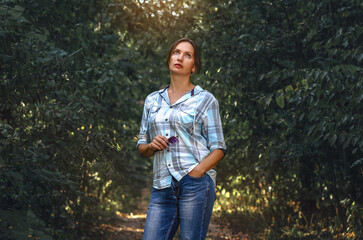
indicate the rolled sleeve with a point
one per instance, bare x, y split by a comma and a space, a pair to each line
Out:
212, 128
144, 137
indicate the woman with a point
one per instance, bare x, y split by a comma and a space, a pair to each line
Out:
181, 128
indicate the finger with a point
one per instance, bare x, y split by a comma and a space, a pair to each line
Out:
163, 138
157, 145
162, 141
165, 144
153, 147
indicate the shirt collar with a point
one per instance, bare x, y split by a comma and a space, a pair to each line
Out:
164, 94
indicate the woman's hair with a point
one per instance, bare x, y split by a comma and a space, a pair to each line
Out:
197, 60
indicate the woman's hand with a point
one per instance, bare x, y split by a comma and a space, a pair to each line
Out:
207, 163
159, 143
196, 172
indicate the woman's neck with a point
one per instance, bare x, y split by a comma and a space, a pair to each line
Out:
180, 83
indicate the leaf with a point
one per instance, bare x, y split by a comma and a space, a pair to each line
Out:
332, 139
341, 137
289, 88
357, 163
262, 76
312, 115
301, 116
354, 141
354, 150
347, 68
268, 99
280, 99
305, 84
289, 91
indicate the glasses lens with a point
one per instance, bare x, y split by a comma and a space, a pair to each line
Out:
173, 140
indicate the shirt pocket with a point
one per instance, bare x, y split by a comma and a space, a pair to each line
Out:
186, 117
152, 113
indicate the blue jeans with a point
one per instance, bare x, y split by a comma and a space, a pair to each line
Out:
188, 202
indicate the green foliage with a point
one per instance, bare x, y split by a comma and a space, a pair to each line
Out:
287, 75
290, 79
67, 119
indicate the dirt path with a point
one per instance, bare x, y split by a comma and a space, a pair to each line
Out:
131, 226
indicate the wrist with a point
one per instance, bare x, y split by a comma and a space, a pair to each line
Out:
199, 169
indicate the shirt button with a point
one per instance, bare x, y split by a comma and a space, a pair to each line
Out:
166, 134
167, 150
169, 165
166, 119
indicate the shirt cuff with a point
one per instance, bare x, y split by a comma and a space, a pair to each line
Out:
141, 142
143, 139
222, 148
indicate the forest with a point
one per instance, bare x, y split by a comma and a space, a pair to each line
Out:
287, 74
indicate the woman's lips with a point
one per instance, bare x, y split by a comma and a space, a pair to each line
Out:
178, 66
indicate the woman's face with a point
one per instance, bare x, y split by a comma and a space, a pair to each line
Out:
182, 59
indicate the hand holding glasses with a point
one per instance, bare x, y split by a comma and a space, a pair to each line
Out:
162, 142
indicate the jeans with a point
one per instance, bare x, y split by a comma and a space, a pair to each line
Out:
188, 202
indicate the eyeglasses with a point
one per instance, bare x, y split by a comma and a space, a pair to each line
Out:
173, 139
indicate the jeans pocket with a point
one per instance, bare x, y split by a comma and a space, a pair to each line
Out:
196, 178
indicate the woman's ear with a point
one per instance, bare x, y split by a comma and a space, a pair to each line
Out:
193, 69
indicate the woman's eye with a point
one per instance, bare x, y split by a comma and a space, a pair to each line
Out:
176, 52
188, 55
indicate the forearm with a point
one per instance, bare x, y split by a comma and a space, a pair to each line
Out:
145, 150
209, 162
158, 143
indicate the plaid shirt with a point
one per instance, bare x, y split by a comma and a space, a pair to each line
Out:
194, 119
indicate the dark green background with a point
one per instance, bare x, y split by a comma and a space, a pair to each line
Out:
288, 77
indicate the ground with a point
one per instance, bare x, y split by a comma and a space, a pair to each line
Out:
131, 226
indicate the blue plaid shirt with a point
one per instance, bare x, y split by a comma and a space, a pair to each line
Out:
194, 119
